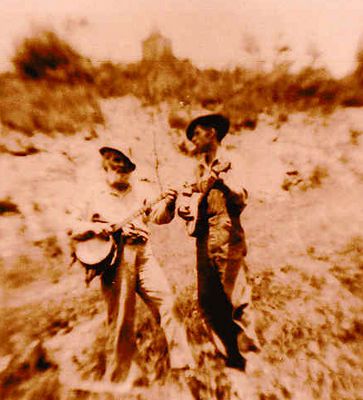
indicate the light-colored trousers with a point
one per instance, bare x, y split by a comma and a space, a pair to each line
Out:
137, 271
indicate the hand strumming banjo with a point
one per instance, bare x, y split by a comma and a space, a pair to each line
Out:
94, 250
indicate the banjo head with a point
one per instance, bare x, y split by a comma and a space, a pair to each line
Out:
94, 250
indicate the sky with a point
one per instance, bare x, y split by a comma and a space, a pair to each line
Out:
212, 33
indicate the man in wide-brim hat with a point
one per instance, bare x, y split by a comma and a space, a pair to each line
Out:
223, 291
218, 122
133, 268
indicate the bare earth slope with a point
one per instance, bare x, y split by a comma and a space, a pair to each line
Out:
304, 228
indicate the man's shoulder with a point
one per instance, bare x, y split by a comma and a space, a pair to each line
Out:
222, 162
223, 155
233, 178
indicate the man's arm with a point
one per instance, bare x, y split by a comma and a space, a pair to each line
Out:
217, 171
81, 216
164, 211
227, 178
237, 195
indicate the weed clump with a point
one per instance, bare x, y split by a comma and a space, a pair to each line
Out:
52, 89
47, 56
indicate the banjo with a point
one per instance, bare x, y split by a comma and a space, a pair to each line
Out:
94, 250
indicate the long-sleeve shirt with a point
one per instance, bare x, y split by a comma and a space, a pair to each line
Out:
102, 203
230, 180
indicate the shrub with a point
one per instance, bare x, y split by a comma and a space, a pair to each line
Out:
47, 106
239, 93
52, 91
48, 56
8, 207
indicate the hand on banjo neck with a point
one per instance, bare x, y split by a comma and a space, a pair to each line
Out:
104, 228
186, 188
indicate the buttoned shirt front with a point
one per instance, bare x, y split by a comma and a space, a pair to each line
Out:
231, 178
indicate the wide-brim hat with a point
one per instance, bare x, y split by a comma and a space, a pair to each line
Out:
217, 121
116, 156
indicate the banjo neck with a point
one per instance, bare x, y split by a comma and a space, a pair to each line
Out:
146, 206
151, 203
138, 212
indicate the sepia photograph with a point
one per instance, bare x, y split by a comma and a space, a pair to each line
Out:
181, 200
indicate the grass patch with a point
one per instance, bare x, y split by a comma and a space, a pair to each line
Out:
8, 207
51, 89
348, 267
47, 106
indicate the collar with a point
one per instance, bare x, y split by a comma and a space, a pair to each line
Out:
120, 193
202, 158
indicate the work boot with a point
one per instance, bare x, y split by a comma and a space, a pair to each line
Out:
247, 344
247, 338
236, 361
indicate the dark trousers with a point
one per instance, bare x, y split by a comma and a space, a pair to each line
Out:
214, 302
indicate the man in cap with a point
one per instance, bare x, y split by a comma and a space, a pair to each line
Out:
132, 267
223, 291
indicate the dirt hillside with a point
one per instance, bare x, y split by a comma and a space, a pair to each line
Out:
304, 229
